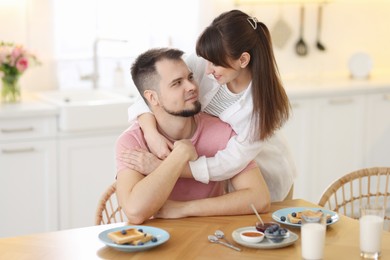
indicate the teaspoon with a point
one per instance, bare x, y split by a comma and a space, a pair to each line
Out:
214, 239
219, 234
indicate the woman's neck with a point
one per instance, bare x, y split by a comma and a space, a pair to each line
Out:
241, 82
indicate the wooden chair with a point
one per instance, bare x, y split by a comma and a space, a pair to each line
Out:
108, 210
365, 186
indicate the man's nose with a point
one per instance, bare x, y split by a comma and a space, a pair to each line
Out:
191, 86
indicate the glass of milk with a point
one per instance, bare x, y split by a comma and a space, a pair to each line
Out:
313, 231
371, 228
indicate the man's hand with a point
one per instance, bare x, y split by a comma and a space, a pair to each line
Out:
140, 160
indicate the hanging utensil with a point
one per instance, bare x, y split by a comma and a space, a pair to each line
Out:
281, 31
301, 47
319, 44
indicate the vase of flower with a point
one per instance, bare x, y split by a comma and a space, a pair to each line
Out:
14, 61
10, 91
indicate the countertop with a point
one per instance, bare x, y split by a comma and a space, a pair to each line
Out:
310, 87
28, 107
335, 85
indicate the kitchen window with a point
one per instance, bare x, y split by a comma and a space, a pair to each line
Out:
123, 29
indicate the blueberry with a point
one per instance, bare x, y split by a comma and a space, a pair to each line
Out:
272, 229
329, 220
299, 222
294, 214
123, 232
154, 239
140, 244
140, 230
283, 218
283, 231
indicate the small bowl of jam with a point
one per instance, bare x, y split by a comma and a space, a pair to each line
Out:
252, 236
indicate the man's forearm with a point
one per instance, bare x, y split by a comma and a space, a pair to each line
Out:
149, 194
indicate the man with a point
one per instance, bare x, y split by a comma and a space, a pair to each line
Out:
169, 89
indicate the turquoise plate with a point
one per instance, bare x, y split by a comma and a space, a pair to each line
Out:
161, 235
283, 212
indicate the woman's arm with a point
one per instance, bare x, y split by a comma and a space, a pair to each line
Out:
226, 163
158, 144
136, 109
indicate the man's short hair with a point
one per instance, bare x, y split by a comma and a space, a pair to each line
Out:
143, 70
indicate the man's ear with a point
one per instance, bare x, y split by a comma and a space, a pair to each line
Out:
151, 96
244, 59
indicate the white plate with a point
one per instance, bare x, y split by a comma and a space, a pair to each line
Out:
161, 235
360, 65
283, 212
265, 244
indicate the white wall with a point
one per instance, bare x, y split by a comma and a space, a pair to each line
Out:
347, 28
28, 22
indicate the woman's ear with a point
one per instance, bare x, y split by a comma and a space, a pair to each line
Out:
244, 59
151, 96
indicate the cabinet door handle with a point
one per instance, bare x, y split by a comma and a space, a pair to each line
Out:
340, 101
21, 150
17, 130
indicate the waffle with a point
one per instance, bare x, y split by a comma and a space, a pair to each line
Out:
129, 236
298, 218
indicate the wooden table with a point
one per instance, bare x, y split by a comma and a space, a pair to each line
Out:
188, 241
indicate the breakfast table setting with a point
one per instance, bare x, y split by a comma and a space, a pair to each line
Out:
227, 237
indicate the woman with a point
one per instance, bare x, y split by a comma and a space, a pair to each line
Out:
239, 82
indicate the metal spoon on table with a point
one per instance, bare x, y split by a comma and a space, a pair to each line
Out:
219, 234
214, 239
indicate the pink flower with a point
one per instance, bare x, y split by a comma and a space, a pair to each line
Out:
22, 64
15, 60
17, 52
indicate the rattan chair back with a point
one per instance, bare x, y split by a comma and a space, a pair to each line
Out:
108, 210
365, 186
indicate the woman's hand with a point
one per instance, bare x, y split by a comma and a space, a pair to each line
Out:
186, 146
158, 144
140, 160
171, 210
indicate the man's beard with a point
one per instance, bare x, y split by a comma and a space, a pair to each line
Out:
187, 112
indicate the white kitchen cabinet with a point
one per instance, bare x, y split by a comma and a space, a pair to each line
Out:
338, 145
298, 131
326, 136
86, 168
377, 150
28, 175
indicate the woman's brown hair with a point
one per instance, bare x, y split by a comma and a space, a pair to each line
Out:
233, 33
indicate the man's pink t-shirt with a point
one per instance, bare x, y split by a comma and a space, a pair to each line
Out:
211, 135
